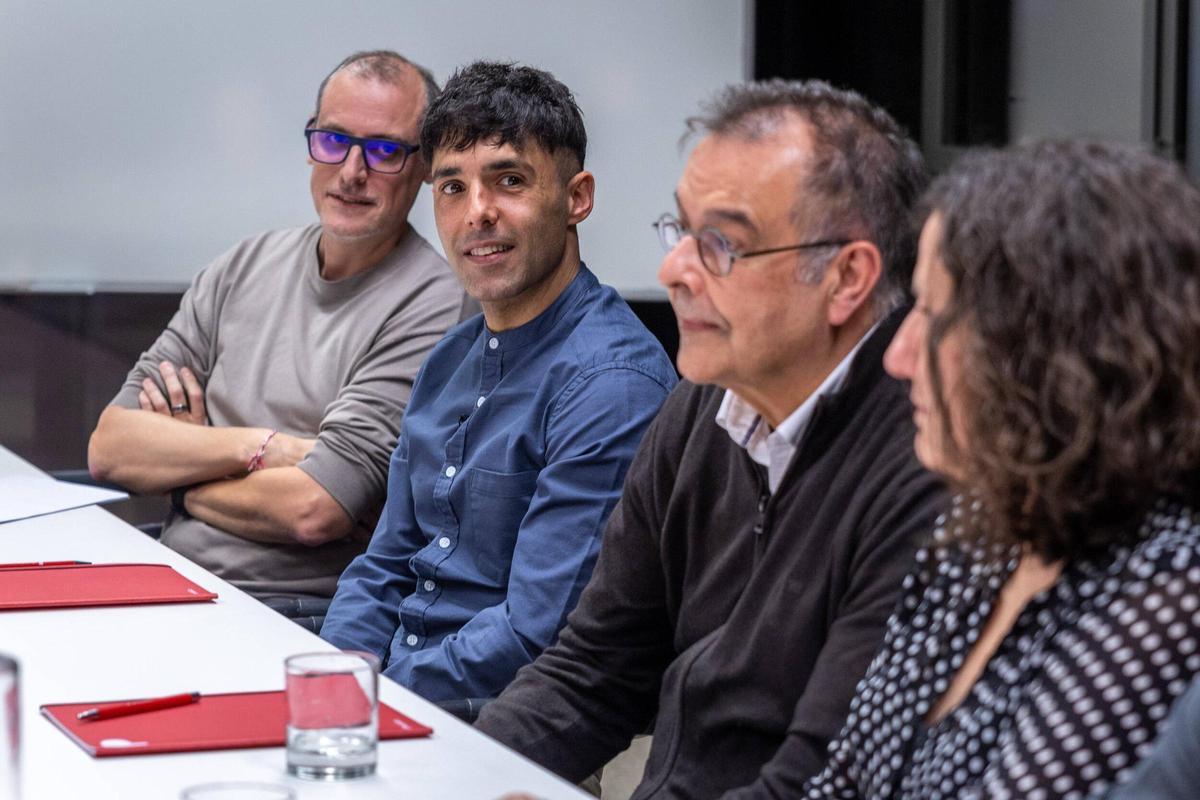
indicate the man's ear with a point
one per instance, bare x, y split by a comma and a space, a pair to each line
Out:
851, 279
581, 192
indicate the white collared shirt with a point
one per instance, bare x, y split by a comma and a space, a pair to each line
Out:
774, 449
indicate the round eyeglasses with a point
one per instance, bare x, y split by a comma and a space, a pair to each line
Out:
716, 253
380, 155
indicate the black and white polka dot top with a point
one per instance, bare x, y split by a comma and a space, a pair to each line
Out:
1070, 701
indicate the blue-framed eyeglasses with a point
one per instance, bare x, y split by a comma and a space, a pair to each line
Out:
380, 155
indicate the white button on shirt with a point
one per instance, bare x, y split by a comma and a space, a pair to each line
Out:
493, 342
430, 586
450, 471
479, 402
444, 542
412, 640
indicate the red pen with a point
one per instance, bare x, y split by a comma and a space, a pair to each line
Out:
139, 706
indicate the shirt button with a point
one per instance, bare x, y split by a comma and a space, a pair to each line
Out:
444, 542
412, 640
430, 586
479, 402
493, 342
450, 471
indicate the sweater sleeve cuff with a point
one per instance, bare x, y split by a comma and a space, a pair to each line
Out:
342, 478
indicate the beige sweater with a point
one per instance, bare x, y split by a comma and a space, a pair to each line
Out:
277, 346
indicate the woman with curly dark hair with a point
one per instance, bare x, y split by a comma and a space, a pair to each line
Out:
1054, 359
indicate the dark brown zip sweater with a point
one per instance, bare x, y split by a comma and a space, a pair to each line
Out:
737, 621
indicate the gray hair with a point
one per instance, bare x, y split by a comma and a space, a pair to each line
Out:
386, 66
866, 169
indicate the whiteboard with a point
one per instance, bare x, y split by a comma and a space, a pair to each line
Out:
141, 138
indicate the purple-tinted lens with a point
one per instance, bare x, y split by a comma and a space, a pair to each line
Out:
383, 155
328, 147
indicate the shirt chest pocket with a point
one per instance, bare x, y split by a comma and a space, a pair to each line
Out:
498, 502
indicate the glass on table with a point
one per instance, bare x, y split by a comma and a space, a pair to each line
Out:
10, 729
333, 715
237, 791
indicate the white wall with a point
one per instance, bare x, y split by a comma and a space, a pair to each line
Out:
140, 138
1077, 69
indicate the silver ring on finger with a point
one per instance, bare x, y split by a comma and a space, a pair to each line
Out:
178, 408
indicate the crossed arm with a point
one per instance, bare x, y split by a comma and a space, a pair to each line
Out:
150, 450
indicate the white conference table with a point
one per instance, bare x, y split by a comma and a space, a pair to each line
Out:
233, 644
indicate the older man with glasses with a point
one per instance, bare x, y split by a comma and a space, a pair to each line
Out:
270, 404
772, 511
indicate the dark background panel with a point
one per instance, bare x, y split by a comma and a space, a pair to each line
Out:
64, 357
978, 42
871, 47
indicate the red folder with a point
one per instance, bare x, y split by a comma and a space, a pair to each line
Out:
216, 722
96, 585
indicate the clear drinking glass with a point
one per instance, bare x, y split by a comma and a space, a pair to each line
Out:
237, 791
10, 730
333, 715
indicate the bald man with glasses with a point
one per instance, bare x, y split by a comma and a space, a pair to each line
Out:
269, 406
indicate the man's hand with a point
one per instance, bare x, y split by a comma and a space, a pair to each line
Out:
184, 400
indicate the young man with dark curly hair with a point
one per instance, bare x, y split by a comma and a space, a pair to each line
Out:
523, 421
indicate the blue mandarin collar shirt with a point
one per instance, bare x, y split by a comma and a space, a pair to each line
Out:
512, 454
